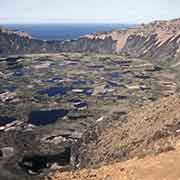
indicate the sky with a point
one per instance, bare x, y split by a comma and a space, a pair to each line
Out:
87, 11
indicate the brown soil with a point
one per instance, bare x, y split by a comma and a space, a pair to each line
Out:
151, 129
146, 139
165, 166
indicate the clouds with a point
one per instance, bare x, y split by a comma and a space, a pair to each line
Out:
88, 10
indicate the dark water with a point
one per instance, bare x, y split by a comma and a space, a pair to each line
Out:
63, 31
6, 120
80, 104
115, 76
46, 117
53, 91
19, 73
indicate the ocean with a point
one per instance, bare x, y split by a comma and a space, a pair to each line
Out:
63, 31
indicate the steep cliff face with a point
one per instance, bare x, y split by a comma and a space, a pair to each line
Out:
84, 44
160, 39
19, 43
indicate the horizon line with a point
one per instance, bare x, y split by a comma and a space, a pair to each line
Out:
66, 22
29, 23
75, 21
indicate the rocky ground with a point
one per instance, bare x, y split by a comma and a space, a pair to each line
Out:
149, 139
76, 110
164, 166
51, 104
150, 129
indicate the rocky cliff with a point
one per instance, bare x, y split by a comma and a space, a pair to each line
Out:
12, 42
150, 130
159, 39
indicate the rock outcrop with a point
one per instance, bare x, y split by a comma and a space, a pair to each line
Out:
148, 138
12, 42
152, 129
164, 165
159, 39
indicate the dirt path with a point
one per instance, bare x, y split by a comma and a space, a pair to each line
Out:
165, 166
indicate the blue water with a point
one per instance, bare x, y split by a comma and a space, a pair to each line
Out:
6, 120
46, 117
53, 91
63, 31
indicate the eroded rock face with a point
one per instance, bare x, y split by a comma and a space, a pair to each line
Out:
29, 153
20, 43
85, 44
7, 152
151, 129
160, 39
34, 164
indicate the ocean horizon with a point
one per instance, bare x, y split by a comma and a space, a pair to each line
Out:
64, 31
